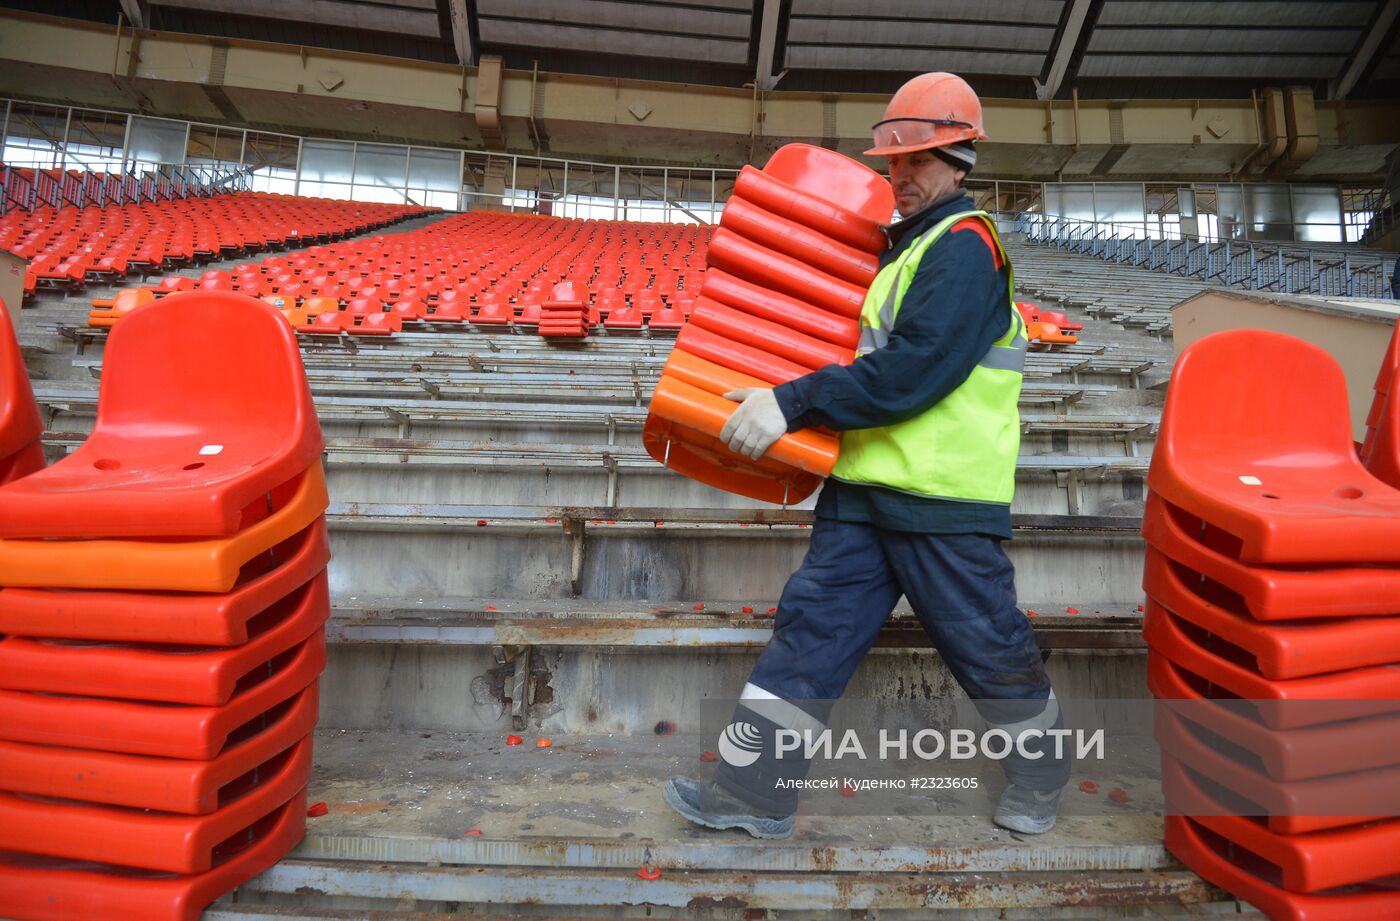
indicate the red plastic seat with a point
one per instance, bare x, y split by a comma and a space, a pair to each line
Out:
20, 422
1380, 452
1269, 593
165, 672
377, 324
1292, 754
180, 447
169, 842
157, 729
493, 313
623, 317
39, 888
1292, 807
669, 317
1305, 863
165, 784
1282, 704
1247, 877
1256, 439
324, 324
1289, 650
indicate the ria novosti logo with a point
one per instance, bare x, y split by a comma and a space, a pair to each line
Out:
740, 744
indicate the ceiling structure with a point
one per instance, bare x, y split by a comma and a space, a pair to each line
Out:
1127, 49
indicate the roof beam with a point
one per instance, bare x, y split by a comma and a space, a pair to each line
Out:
134, 13
461, 31
768, 45
1063, 50
1370, 44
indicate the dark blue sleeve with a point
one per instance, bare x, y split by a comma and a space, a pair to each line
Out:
955, 308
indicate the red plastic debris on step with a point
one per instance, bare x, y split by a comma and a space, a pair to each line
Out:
1088, 786
473, 831
708, 756
699, 605
772, 610
1071, 610
649, 872
514, 740
481, 522
1141, 609
746, 609
543, 743
1030, 613
490, 607
315, 810
1119, 795
661, 524
610, 521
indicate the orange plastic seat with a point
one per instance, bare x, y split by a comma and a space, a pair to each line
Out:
797, 315
1380, 451
1291, 807
37, 888
493, 313
20, 422
107, 311
1270, 593
315, 306
624, 317
778, 339
180, 447
783, 235
165, 784
157, 729
169, 842
1255, 438
1305, 863
1290, 650
169, 617
1282, 704
211, 565
166, 672
1292, 754
1251, 879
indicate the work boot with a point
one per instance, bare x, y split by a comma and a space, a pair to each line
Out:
706, 804
1027, 811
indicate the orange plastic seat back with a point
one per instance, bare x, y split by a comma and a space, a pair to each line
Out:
789, 267
20, 423
1381, 450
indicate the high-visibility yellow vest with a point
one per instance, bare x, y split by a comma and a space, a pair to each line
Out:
964, 447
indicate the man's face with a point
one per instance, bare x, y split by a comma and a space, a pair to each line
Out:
920, 178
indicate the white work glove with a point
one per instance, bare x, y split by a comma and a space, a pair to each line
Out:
756, 424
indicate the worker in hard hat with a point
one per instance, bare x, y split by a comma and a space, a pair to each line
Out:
920, 499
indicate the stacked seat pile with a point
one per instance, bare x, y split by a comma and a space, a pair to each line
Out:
796, 251
20, 423
163, 605
1273, 627
564, 315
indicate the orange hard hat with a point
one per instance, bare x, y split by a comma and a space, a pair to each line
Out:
932, 110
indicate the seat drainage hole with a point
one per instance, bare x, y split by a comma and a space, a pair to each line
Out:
1348, 492
195, 466
1268, 495
107, 463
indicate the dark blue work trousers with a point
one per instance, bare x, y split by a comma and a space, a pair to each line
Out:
962, 589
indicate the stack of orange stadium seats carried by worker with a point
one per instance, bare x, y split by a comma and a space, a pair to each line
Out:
789, 266
163, 599
20, 423
1273, 629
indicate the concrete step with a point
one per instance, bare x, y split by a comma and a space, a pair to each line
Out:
569, 826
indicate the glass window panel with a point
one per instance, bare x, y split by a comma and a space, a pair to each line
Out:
326, 161
1070, 200
381, 165
1268, 204
156, 140
437, 170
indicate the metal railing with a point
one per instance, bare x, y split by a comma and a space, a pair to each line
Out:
1328, 271
31, 187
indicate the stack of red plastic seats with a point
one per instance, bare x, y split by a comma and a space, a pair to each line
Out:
1273, 627
564, 315
21, 452
66, 246
163, 604
788, 271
